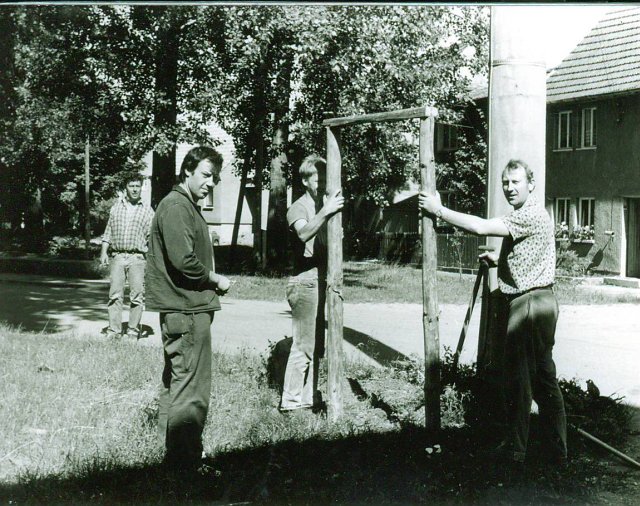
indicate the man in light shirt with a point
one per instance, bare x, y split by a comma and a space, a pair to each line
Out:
124, 246
526, 273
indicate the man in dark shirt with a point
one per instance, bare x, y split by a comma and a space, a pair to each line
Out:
305, 286
183, 287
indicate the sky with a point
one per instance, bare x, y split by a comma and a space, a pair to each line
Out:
566, 26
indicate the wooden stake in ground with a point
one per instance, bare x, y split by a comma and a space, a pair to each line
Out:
429, 285
334, 282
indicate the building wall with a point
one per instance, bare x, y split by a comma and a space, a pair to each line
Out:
607, 173
221, 216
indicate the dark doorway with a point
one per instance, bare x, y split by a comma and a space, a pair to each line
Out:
632, 221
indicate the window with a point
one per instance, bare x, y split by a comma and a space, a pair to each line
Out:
564, 137
562, 211
585, 212
447, 137
588, 127
207, 202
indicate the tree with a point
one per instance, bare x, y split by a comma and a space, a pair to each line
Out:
288, 66
384, 58
58, 102
140, 78
92, 71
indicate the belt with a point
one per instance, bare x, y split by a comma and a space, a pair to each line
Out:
511, 296
128, 251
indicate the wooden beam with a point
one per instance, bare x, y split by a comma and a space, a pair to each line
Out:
334, 283
429, 283
402, 114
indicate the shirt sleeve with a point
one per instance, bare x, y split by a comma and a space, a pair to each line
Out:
106, 237
179, 238
296, 212
522, 222
150, 214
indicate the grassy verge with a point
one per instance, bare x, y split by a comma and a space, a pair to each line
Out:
386, 283
78, 422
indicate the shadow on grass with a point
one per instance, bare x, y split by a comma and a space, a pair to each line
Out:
38, 307
375, 468
371, 347
56, 306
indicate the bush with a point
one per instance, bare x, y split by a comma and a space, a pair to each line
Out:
605, 417
569, 263
71, 248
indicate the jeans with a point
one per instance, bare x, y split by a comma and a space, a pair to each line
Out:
186, 385
531, 373
306, 297
125, 266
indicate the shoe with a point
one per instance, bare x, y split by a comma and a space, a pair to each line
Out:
294, 408
133, 334
555, 461
319, 408
504, 453
113, 335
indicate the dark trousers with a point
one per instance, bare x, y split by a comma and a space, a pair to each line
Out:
186, 379
531, 373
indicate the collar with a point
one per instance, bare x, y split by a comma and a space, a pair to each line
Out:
185, 194
127, 202
531, 201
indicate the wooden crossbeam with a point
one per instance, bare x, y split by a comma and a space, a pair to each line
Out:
376, 117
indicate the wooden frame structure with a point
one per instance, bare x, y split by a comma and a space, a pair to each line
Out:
430, 311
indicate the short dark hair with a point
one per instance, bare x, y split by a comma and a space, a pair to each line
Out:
130, 176
514, 164
311, 165
195, 156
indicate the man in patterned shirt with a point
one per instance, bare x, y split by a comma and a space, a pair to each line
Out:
526, 272
125, 240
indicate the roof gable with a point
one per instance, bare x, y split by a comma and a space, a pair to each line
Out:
607, 61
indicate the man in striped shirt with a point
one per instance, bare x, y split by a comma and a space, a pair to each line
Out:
125, 241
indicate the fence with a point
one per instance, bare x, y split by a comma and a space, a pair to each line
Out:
455, 251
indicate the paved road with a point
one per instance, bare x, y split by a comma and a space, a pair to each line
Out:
600, 342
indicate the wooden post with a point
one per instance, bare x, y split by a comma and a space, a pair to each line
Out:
429, 283
334, 283
87, 197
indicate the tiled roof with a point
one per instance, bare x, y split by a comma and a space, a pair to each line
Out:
607, 61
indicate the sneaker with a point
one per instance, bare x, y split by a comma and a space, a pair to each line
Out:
294, 408
505, 454
133, 334
113, 335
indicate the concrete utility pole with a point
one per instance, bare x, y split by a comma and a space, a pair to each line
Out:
517, 112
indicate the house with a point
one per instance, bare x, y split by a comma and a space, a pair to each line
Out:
219, 206
593, 145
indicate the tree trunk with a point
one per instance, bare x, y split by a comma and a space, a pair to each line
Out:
276, 218
257, 218
166, 109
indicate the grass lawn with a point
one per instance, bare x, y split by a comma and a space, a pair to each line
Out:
386, 283
78, 416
